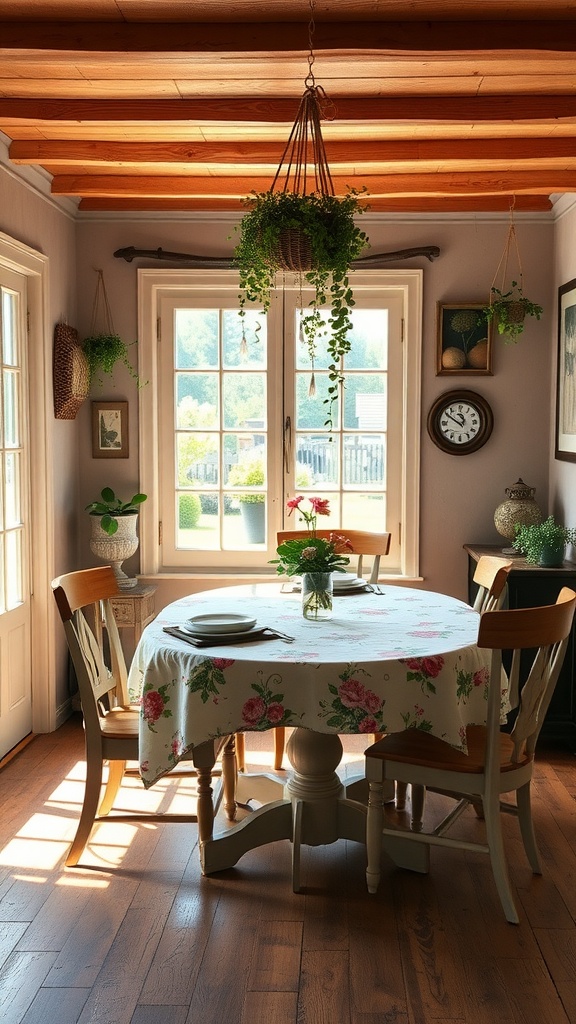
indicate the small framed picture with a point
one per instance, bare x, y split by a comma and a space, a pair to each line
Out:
566, 383
109, 430
464, 345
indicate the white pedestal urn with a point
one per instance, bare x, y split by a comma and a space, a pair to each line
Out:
116, 548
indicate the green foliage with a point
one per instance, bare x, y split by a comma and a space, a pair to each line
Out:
311, 554
189, 511
249, 473
110, 507
103, 351
504, 310
532, 540
335, 243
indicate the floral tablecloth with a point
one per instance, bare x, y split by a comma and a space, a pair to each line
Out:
383, 663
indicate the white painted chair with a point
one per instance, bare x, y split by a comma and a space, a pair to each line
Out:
496, 762
110, 723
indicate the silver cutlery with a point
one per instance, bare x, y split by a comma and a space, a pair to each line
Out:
281, 636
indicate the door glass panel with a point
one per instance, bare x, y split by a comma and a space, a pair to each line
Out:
11, 454
9, 336
13, 510
10, 417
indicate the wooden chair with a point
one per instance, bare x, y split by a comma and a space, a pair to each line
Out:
496, 762
110, 723
374, 544
491, 577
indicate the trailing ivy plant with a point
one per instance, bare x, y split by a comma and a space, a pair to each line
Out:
508, 310
335, 242
103, 351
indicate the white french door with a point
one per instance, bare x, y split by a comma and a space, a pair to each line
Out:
15, 611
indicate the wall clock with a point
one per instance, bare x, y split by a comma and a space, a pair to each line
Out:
460, 422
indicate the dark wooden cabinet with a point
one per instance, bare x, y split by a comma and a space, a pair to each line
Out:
529, 586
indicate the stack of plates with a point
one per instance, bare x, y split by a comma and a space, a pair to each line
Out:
224, 624
343, 582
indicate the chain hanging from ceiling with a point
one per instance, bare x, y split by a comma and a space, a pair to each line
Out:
305, 147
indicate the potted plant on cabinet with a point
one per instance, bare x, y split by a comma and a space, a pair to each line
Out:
314, 235
544, 543
250, 473
509, 309
114, 536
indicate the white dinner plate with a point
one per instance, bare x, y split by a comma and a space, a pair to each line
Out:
339, 583
220, 623
223, 638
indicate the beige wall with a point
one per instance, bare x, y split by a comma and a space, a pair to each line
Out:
562, 474
458, 494
29, 217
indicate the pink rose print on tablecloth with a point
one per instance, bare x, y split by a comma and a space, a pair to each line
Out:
423, 670
267, 708
208, 679
467, 681
354, 708
153, 705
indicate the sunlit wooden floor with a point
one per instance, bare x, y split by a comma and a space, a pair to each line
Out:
135, 934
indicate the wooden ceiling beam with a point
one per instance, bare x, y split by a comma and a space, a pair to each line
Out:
281, 38
133, 154
411, 204
482, 183
239, 110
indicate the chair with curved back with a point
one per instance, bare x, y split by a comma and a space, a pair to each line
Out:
375, 545
110, 723
496, 762
491, 577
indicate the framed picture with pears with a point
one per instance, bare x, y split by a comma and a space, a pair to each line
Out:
464, 340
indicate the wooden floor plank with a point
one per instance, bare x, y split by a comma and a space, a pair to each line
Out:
531, 992
136, 935
274, 1007
56, 1006
276, 957
21, 977
324, 988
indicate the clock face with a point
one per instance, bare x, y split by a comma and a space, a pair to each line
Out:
460, 422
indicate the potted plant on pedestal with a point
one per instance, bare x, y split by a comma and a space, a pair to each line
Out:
114, 536
544, 543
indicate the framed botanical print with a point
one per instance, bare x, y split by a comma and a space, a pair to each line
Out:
566, 383
109, 430
464, 340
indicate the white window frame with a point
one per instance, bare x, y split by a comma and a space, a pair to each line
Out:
152, 283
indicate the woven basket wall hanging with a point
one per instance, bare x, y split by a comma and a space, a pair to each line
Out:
70, 376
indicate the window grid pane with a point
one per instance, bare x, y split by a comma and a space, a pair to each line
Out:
231, 454
347, 464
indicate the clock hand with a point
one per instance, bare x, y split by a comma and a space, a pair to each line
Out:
459, 422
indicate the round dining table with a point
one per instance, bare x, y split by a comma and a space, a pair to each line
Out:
390, 658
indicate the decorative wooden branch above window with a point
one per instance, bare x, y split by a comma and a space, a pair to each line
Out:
373, 261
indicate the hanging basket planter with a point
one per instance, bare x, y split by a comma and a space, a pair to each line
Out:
304, 228
294, 250
507, 310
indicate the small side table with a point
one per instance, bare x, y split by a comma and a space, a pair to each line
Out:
134, 609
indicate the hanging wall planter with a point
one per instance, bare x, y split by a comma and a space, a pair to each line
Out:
104, 349
508, 306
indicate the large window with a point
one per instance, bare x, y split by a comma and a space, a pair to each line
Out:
240, 420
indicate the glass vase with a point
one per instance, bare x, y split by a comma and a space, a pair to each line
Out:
317, 595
